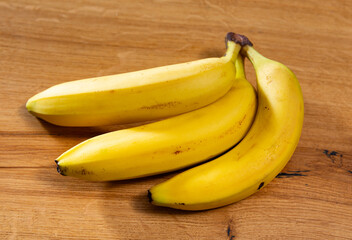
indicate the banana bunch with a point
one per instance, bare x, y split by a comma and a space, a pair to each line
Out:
209, 111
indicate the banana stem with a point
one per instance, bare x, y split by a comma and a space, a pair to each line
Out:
232, 51
240, 73
252, 55
247, 49
234, 42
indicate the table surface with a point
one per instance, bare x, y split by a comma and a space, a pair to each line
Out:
43, 43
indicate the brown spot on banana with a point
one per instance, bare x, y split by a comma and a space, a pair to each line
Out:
162, 105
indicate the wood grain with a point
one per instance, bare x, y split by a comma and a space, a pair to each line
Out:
43, 43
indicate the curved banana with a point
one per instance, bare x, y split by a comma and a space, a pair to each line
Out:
257, 159
166, 145
138, 96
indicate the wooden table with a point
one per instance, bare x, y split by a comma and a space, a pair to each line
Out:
43, 43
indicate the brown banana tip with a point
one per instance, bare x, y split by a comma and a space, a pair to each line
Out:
150, 196
58, 168
238, 38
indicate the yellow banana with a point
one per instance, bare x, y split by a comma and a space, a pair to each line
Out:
138, 96
169, 144
257, 159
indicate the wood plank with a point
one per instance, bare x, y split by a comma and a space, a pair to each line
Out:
45, 205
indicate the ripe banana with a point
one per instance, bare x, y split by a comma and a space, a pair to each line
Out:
138, 96
169, 144
257, 159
